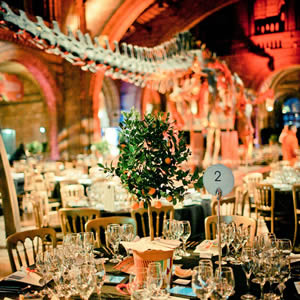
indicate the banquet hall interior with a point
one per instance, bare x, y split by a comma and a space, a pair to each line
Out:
226, 71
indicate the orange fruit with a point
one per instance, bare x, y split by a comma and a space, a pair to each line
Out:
135, 205
141, 204
122, 146
157, 204
168, 160
151, 191
169, 198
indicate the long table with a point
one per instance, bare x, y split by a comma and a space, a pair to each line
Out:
110, 292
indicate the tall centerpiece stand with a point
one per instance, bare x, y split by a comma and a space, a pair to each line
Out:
218, 181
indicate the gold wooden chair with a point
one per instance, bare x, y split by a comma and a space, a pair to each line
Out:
296, 199
157, 217
227, 206
211, 225
265, 203
242, 202
73, 220
251, 180
43, 214
71, 192
23, 246
98, 226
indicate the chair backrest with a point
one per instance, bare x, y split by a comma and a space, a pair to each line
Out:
71, 192
251, 180
40, 206
23, 246
50, 182
73, 220
158, 216
98, 226
211, 225
242, 201
227, 206
264, 197
28, 179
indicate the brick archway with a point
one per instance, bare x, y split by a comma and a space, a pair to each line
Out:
111, 98
40, 71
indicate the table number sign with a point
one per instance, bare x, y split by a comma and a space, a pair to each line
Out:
218, 177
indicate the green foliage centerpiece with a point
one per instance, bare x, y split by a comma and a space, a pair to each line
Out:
152, 152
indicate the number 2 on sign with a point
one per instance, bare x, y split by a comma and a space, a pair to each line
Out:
218, 175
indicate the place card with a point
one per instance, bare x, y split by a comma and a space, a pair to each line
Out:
27, 277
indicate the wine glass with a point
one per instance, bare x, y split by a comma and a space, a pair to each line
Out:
99, 274
167, 229
186, 233
203, 281
229, 237
114, 238
224, 282
137, 285
283, 273
84, 280
127, 234
88, 242
247, 265
284, 246
154, 278
259, 271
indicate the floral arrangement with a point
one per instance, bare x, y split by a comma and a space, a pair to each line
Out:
152, 152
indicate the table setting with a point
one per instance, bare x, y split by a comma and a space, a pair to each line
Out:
265, 269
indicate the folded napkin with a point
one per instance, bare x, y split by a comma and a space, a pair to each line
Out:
126, 266
207, 248
145, 244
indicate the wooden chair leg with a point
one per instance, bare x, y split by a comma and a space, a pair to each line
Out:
295, 231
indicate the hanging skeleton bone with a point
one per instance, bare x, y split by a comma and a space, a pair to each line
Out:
134, 64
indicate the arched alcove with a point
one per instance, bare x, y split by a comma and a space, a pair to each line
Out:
40, 71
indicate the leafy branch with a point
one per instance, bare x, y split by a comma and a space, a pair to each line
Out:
152, 152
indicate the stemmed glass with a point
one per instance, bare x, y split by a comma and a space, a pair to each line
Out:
224, 282
229, 232
88, 242
99, 274
127, 234
283, 273
186, 233
259, 271
284, 246
247, 264
137, 286
84, 280
176, 232
203, 281
154, 278
167, 229
114, 238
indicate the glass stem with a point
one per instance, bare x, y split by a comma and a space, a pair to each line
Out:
184, 247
